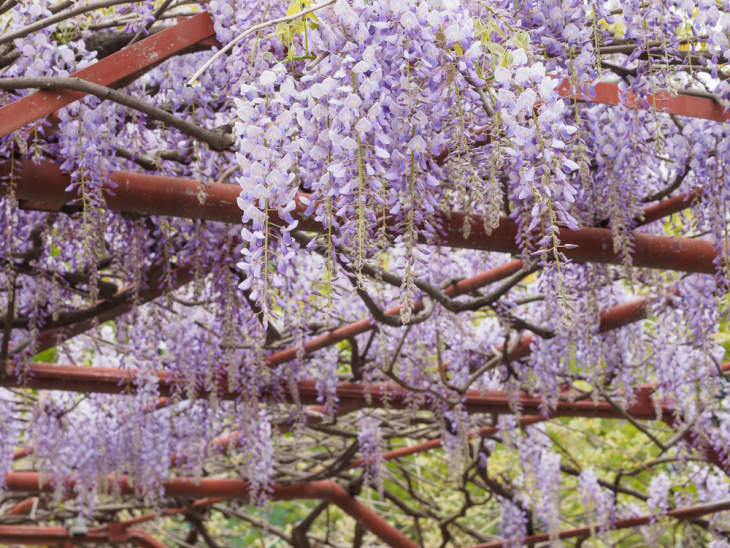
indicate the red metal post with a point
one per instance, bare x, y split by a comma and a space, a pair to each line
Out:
143, 539
335, 494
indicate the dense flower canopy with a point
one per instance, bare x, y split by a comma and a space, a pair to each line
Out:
445, 233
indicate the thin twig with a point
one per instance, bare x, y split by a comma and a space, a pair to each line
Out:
8, 325
194, 78
633, 421
57, 18
482, 96
674, 185
148, 26
264, 526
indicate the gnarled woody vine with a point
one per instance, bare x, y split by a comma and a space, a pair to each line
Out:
377, 151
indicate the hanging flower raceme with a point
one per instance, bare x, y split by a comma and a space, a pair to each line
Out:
9, 430
364, 132
371, 444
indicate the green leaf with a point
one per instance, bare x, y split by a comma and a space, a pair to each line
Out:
495, 48
296, 6
493, 26
47, 356
522, 40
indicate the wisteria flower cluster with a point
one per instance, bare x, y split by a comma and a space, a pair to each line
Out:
409, 176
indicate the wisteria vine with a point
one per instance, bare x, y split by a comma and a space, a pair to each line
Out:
380, 123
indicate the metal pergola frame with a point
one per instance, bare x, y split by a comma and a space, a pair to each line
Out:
42, 187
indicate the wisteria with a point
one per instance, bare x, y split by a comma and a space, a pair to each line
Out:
462, 262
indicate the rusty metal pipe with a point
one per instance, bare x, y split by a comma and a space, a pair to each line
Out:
143, 539
107, 380
23, 507
237, 488
158, 195
686, 512
36, 536
31, 535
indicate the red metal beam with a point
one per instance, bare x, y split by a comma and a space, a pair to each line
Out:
124, 65
681, 104
618, 316
200, 503
669, 206
236, 488
158, 195
140, 193
27, 535
119, 531
46, 182
128, 63
612, 319
23, 507
366, 324
686, 512
644, 396
107, 380
36, 536
114, 70
436, 443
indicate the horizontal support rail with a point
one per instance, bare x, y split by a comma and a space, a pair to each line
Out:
238, 488
685, 512
36, 536
160, 195
682, 104
351, 395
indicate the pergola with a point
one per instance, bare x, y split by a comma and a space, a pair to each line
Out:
43, 186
